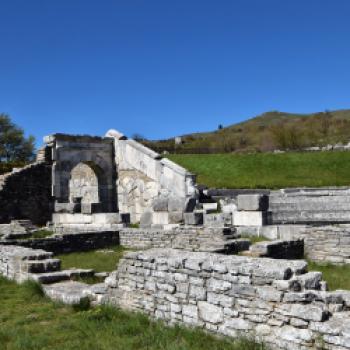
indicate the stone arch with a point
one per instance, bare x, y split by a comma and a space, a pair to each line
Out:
86, 158
84, 183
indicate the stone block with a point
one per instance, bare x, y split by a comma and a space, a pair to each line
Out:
91, 208
252, 202
160, 204
217, 220
176, 204
106, 218
175, 217
210, 313
194, 218
210, 207
146, 219
160, 218
249, 218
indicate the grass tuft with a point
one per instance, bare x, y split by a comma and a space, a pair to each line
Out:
83, 305
33, 289
336, 276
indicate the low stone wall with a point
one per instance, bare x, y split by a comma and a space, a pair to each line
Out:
275, 301
329, 243
68, 243
17, 263
291, 249
213, 240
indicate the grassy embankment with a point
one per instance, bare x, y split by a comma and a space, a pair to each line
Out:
267, 170
28, 321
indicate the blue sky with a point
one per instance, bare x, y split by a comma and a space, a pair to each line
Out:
164, 68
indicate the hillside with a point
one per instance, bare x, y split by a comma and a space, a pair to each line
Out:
268, 170
266, 132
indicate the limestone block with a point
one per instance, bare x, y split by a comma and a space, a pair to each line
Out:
249, 218
194, 218
160, 204
210, 313
217, 220
91, 208
252, 202
210, 207
175, 217
146, 219
176, 203
160, 218
106, 218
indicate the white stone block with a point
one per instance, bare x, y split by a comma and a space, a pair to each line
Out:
252, 202
210, 207
106, 218
249, 218
160, 218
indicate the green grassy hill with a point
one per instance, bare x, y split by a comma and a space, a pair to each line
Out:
268, 170
269, 131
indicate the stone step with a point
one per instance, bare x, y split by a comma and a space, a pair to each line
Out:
308, 199
69, 292
30, 254
42, 266
309, 206
57, 276
301, 217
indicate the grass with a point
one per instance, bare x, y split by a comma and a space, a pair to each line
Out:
255, 239
101, 260
39, 234
268, 170
337, 276
29, 321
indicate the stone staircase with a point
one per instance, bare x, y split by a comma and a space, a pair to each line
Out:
319, 207
21, 264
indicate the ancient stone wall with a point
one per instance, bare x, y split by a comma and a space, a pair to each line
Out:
213, 240
275, 301
328, 244
143, 176
68, 243
26, 194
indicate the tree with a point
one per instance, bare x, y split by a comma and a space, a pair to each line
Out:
138, 137
14, 146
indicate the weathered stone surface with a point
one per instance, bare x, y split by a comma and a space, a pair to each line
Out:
210, 313
235, 295
252, 202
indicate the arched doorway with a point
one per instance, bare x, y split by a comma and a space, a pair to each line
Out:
84, 184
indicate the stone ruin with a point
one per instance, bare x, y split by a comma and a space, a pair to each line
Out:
98, 181
194, 262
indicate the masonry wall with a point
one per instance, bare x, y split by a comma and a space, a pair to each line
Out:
143, 176
68, 243
326, 244
196, 240
276, 301
26, 194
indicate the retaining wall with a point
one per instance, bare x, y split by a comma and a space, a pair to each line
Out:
276, 301
26, 194
68, 243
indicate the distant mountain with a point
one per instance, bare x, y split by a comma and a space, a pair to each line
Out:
264, 133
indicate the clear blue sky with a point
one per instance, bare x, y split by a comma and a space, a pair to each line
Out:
164, 68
